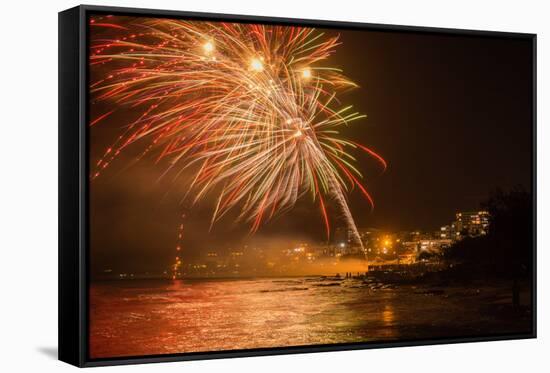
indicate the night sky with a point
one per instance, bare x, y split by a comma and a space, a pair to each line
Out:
450, 114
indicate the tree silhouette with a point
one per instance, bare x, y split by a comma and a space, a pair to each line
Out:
507, 250
511, 229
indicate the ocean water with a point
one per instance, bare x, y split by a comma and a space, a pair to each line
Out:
150, 317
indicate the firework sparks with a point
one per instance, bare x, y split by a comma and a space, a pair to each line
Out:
248, 110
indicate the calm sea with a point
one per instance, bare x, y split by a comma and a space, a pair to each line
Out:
145, 317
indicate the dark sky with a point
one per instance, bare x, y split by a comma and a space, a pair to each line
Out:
450, 114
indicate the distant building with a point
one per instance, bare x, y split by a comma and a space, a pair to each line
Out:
413, 246
434, 245
448, 232
407, 257
472, 224
343, 236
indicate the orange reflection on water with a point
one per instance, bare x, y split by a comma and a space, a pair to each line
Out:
388, 315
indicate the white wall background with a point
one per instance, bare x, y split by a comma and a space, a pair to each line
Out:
28, 184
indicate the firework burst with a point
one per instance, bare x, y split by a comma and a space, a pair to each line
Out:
250, 111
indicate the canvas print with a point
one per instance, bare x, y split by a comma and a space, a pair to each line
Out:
260, 186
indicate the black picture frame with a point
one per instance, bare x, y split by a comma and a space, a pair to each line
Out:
74, 171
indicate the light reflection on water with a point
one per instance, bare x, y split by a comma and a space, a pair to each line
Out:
387, 315
160, 317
